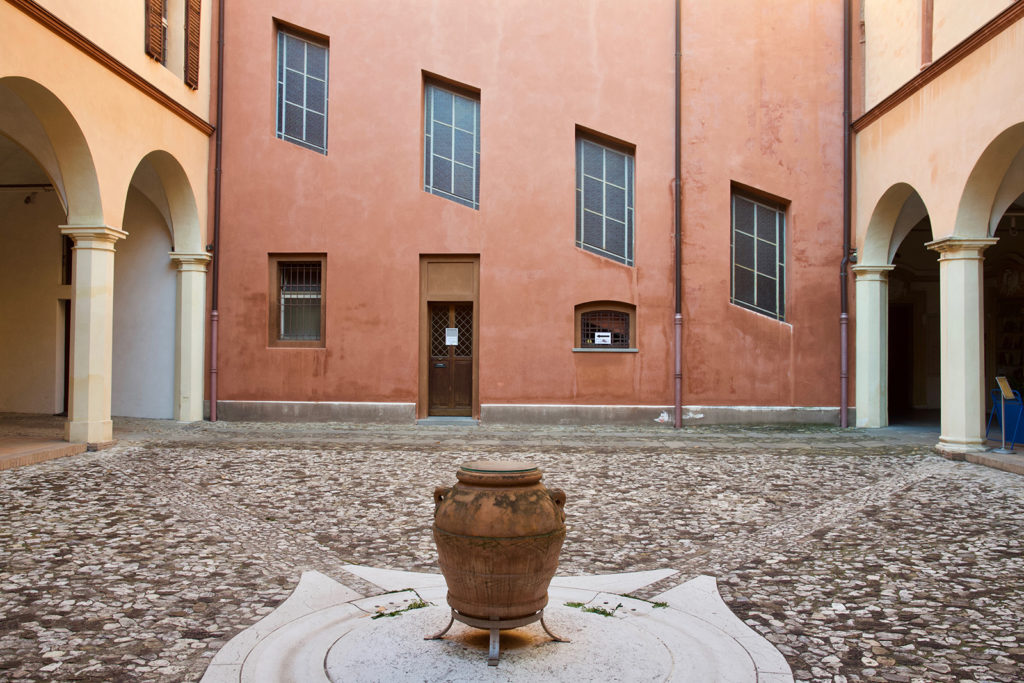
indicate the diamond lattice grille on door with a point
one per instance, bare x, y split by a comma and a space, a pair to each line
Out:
438, 322
464, 321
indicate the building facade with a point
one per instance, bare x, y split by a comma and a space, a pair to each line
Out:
104, 149
434, 209
938, 199
439, 208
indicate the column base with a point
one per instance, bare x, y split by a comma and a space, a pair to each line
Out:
100, 431
953, 446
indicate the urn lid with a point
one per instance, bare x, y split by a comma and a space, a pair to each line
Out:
498, 466
499, 473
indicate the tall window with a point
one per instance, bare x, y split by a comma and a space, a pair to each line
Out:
451, 165
604, 200
302, 91
297, 302
759, 256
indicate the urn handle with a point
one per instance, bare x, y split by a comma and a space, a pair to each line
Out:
440, 493
558, 496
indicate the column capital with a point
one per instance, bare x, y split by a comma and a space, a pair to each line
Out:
193, 261
93, 236
961, 247
872, 272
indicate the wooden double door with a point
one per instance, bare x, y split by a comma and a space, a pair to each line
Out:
450, 376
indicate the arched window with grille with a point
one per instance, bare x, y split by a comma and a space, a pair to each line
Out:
605, 326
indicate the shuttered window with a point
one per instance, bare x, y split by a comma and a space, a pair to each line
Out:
192, 32
156, 29
759, 256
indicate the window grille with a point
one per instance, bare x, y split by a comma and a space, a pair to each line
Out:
758, 256
438, 323
299, 301
451, 165
462, 319
302, 92
604, 329
604, 201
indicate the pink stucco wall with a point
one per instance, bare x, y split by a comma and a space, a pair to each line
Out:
762, 107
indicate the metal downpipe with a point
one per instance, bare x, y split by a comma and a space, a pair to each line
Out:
844, 315
678, 228
215, 285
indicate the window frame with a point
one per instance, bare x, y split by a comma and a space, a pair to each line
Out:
584, 137
593, 307
429, 136
281, 102
274, 301
780, 209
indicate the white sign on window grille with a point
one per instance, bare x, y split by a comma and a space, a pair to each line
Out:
451, 336
602, 337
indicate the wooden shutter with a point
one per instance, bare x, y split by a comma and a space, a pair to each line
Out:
155, 29
192, 29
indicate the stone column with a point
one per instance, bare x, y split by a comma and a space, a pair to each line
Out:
872, 288
962, 341
92, 331
189, 346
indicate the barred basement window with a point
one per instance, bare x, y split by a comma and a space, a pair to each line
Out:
302, 91
604, 200
297, 306
605, 326
759, 256
451, 144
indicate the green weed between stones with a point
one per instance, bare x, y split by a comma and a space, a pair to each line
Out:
418, 603
649, 602
594, 610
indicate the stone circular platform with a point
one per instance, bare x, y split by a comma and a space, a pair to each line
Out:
323, 632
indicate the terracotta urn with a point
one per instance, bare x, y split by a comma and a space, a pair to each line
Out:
498, 533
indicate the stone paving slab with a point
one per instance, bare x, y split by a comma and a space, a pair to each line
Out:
860, 555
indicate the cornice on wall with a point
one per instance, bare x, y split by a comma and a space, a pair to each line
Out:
104, 58
997, 25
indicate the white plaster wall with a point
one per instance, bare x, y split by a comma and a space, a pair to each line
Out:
31, 328
892, 46
954, 20
142, 382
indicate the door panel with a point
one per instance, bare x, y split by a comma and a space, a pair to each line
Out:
450, 376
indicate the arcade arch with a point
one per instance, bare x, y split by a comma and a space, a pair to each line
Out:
980, 295
57, 306
158, 320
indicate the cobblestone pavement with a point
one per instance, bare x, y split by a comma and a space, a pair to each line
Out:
861, 555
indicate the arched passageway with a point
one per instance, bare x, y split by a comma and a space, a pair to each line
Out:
913, 336
58, 257
76, 334
934, 334
35, 287
159, 290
